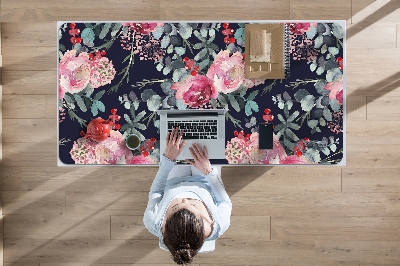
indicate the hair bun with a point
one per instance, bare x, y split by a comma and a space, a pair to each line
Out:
183, 255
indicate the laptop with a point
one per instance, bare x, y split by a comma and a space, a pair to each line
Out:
205, 127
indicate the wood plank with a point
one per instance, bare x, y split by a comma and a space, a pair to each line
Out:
376, 132
369, 264
120, 10
30, 154
270, 179
51, 226
255, 10
107, 203
356, 108
369, 12
133, 179
112, 264
85, 250
249, 227
129, 227
277, 263
147, 251
29, 34
29, 130
309, 204
364, 252
335, 228
33, 202
30, 82
1, 238
360, 35
25, 52
393, 204
383, 108
56, 179
380, 180
397, 35
372, 72
371, 155
24, 106
301, 253
52, 111
358, 6
31, 88
32, 62
104, 178
312, 10
21, 264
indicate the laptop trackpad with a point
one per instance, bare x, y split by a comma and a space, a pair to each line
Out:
186, 153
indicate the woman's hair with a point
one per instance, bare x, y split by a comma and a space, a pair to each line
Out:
184, 235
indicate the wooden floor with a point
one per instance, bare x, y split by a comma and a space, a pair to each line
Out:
281, 215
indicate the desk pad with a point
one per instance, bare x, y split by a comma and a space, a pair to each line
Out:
115, 75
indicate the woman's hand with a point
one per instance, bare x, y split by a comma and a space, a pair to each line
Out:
174, 144
201, 160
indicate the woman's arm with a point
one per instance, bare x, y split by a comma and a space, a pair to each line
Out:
223, 202
222, 199
167, 161
156, 194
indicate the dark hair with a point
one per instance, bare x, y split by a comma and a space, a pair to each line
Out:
184, 235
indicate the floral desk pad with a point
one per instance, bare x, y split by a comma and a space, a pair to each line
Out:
122, 72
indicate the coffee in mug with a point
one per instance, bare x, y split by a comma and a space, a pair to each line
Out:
132, 141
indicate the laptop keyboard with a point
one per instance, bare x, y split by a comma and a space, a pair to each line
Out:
199, 129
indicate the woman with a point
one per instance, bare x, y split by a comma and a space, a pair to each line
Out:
187, 204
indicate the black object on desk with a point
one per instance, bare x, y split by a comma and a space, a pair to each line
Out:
265, 136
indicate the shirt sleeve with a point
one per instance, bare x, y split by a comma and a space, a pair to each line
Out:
222, 199
156, 194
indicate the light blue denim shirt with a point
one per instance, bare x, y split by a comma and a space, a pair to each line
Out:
209, 188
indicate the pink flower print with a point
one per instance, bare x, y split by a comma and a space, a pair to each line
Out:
102, 72
103, 154
61, 93
147, 47
74, 72
302, 48
82, 151
236, 151
336, 90
227, 72
141, 159
294, 159
300, 28
143, 28
195, 91
250, 83
276, 154
339, 97
336, 125
242, 151
109, 151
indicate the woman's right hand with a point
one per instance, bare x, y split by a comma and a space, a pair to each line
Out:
174, 144
200, 159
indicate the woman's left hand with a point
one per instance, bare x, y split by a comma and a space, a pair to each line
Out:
174, 144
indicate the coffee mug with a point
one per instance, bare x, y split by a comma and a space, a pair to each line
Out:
132, 141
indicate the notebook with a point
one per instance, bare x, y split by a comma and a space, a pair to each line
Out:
267, 53
205, 127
